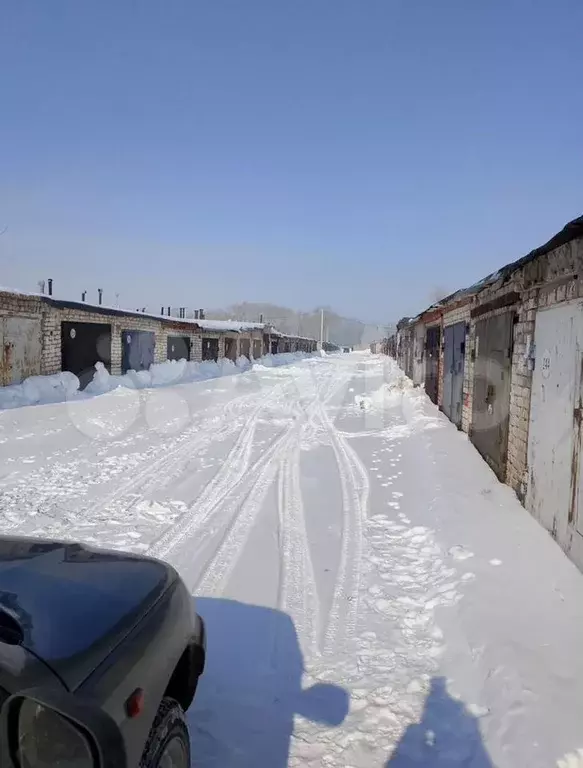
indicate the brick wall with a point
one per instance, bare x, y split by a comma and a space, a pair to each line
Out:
547, 281
53, 316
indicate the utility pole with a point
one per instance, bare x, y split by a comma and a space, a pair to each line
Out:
321, 329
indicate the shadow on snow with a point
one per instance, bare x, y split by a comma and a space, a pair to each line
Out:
448, 735
243, 713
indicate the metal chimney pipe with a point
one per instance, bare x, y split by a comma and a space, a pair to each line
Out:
201, 314
50, 282
84, 296
161, 310
168, 311
100, 292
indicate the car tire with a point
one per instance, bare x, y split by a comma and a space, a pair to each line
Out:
168, 743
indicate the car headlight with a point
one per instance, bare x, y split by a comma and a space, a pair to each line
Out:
46, 739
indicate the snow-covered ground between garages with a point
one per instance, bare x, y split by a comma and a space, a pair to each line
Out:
373, 596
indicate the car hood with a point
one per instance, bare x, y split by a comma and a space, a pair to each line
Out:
74, 604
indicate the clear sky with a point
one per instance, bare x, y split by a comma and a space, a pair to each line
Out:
362, 154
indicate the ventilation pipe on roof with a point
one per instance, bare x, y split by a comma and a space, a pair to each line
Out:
161, 310
100, 292
201, 314
50, 282
261, 317
84, 296
168, 311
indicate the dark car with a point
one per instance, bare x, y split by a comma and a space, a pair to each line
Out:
100, 655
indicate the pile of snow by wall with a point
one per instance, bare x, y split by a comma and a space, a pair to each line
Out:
65, 386
40, 389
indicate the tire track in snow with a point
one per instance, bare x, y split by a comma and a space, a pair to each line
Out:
242, 513
233, 469
282, 458
187, 443
355, 487
298, 594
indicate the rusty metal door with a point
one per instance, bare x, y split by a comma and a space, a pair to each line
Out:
491, 401
554, 440
432, 341
20, 345
178, 348
454, 337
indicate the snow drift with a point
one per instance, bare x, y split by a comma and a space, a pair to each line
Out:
59, 387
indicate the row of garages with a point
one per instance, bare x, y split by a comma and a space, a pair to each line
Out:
503, 359
43, 335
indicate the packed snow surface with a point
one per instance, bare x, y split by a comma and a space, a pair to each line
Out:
374, 598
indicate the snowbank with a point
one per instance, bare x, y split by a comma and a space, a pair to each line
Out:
40, 389
65, 386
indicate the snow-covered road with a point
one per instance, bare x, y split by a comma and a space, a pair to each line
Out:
373, 596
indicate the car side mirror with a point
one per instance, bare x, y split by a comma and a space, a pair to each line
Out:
42, 729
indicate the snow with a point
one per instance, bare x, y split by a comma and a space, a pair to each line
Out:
237, 326
65, 386
374, 598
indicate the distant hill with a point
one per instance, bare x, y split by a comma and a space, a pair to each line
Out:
339, 330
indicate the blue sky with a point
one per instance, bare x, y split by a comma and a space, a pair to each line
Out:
361, 154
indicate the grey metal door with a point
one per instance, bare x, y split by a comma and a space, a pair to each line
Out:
432, 342
210, 349
453, 371
492, 378
178, 348
448, 354
137, 350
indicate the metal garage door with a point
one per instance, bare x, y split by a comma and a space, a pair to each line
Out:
454, 338
231, 349
83, 345
554, 436
178, 348
137, 350
20, 348
210, 349
257, 349
492, 377
432, 341
246, 348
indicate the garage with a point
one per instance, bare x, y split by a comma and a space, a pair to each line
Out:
231, 348
82, 346
210, 349
257, 348
20, 346
554, 435
454, 339
178, 348
492, 380
246, 348
432, 342
137, 350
